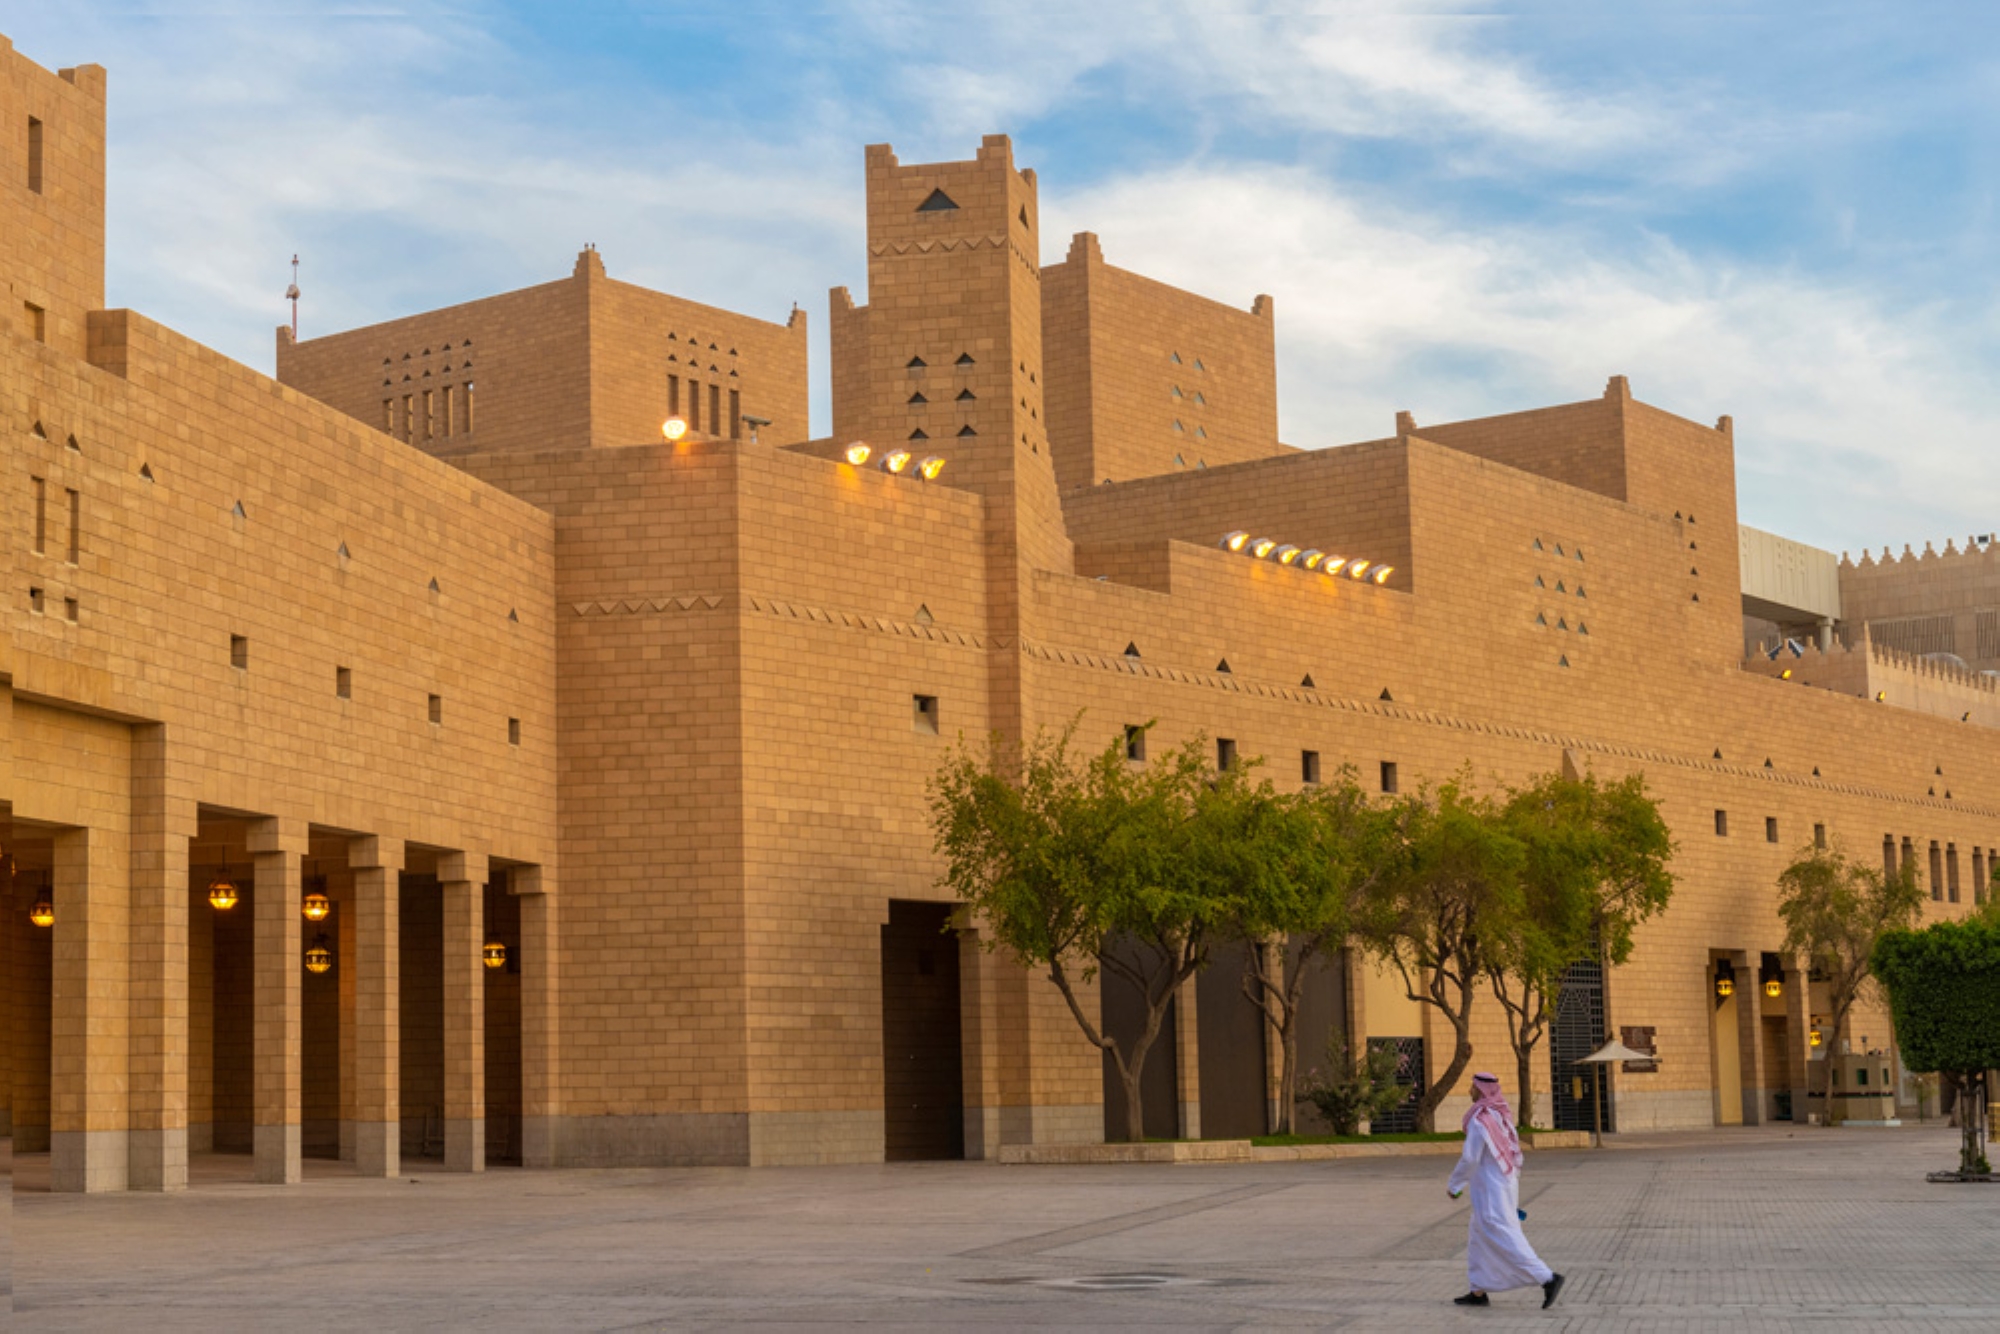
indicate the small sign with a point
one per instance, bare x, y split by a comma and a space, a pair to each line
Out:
1641, 1040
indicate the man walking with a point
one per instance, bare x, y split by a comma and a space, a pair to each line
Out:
1497, 1254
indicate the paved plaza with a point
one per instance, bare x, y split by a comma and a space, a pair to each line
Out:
1763, 1229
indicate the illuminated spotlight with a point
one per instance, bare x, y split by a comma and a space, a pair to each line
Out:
1382, 573
1881, 696
1312, 558
1332, 564
1785, 675
857, 453
929, 468
896, 460
1236, 540
1263, 547
1358, 570
1285, 555
673, 428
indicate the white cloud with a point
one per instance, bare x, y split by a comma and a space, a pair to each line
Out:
1856, 421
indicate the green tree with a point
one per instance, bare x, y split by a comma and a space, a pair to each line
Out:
1835, 910
1440, 915
1304, 859
1596, 866
1944, 995
1060, 860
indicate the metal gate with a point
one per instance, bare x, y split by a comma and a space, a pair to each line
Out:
1410, 1074
1577, 1031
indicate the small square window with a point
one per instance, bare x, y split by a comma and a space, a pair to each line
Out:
35, 600
1225, 753
1308, 766
343, 682
1722, 824
513, 731
1135, 742
1770, 829
437, 708
1389, 783
71, 609
924, 714
239, 653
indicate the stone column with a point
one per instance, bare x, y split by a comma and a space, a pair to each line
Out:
462, 882
979, 1056
541, 1103
277, 847
1187, 1061
163, 822
376, 864
1750, 1034
89, 1053
1798, 1031
12, 912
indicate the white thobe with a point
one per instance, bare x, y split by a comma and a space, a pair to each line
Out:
1497, 1255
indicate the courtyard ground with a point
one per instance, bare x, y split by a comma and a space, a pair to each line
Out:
1766, 1229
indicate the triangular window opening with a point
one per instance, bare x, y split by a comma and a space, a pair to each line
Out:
1306, 682
938, 202
1582, 629
1180, 428
1179, 462
924, 616
37, 432
1560, 588
966, 396
514, 616
1767, 762
434, 585
237, 511
1541, 619
1562, 623
1177, 392
1199, 399
1539, 583
964, 431
146, 471
1815, 771
1201, 432
342, 551
1176, 358
673, 338
918, 397
713, 348
1024, 215
1563, 661
1132, 650
1198, 366
1580, 593
915, 364
1718, 752
75, 448
965, 359
1559, 548
1539, 546
1223, 666
1387, 696
920, 434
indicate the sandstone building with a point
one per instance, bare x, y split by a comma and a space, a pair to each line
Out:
602, 756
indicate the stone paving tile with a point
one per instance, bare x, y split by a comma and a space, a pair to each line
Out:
1829, 1230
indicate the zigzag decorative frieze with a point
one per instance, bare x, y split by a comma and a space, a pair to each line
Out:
936, 247
933, 634
648, 606
1594, 745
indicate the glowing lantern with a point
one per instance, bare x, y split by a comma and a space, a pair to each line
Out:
43, 913
495, 954
222, 893
319, 958
317, 906
1774, 988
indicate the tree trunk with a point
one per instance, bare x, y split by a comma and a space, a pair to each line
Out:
1288, 1078
1524, 1074
1461, 1057
1135, 1112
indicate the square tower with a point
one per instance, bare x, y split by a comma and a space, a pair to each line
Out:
52, 204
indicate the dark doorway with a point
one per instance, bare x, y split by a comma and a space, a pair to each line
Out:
1322, 1013
503, 1026
420, 1014
923, 1081
1232, 1047
1577, 1031
1123, 1016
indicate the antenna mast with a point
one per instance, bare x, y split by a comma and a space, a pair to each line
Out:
292, 295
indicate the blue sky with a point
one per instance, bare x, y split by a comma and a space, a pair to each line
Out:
1782, 212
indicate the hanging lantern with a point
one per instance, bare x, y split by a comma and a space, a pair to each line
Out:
317, 905
1773, 976
1725, 980
495, 954
222, 893
43, 913
319, 958
1815, 1037
1774, 988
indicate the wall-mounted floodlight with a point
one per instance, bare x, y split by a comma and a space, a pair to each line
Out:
1263, 547
1286, 554
1235, 541
858, 452
929, 468
1382, 573
1358, 570
1311, 558
896, 460
673, 428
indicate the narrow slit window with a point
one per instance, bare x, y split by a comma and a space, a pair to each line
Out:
1225, 753
1819, 836
1889, 855
924, 714
36, 320
1937, 873
34, 155
468, 407
1308, 766
444, 413
343, 682
72, 608
388, 416
239, 652
673, 395
694, 406
513, 731
1389, 779
437, 708
75, 524
35, 600
409, 418
715, 409
1951, 871
735, 414
1770, 829
428, 417
1722, 824
41, 514
1135, 742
